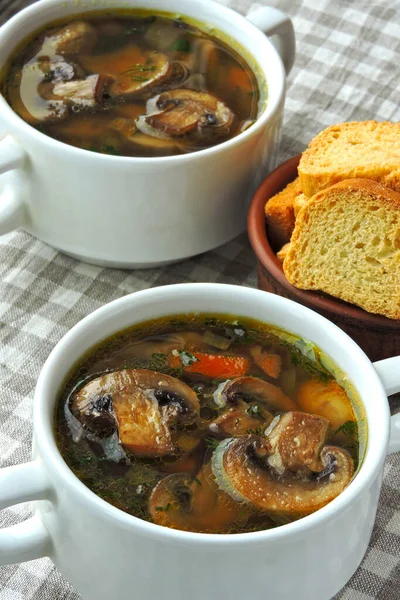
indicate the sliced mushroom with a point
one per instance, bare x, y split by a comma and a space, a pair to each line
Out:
240, 472
134, 70
78, 37
154, 143
27, 102
252, 389
241, 420
295, 442
328, 400
181, 501
178, 73
86, 93
145, 348
146, 406
139, 77
59, 69
178, 112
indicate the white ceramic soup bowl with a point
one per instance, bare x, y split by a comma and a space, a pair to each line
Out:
142, 212
106, 553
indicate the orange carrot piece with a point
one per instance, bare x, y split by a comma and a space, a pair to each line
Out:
215, 366
239, 78
267, 361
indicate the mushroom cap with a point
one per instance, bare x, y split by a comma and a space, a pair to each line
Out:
145, 404
250, 389
180, 111
77, 37
181, 501
241, 419
135, 71
240, 473
84, 92
295, 442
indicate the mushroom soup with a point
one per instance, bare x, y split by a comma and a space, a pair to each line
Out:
132, 85
210, 424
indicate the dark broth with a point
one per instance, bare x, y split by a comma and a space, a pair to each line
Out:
86, 82
181, 347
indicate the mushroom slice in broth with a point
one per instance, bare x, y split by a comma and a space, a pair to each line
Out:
243, 469
253, 389
241, 420
144, 404
86, 92
180, 111
74, 38
59, 69
192, 503
296, 442
141, 76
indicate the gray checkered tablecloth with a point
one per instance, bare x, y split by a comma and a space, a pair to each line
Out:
347, 68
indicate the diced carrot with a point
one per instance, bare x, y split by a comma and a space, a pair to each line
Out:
215, 366
267, 361
238, 78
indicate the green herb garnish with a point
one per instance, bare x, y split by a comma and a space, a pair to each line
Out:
181, 46
139, 68
349, 428
211, 442
256, 431
304, 354
187, 358
253, 409
197, 481
108, 149
105, 149
159, 361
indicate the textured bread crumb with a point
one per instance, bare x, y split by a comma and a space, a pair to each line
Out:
279, 214
346, 243
281, 255
298, 202
366, 149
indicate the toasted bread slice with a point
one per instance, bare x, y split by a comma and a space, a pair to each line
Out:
298, 202
279, 213
282, 253
346, 243
365, 149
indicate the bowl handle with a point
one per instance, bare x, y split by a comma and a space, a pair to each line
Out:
11, 197
279, 27
389, 373
29, 539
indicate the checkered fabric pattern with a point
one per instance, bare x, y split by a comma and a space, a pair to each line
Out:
347, 68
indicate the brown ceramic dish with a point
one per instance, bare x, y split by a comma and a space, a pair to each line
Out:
378, 336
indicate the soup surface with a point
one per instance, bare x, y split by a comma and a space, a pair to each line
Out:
132, 85
209, 424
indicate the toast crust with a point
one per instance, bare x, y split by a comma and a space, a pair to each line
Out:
346, 243
366, 149
279, 214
